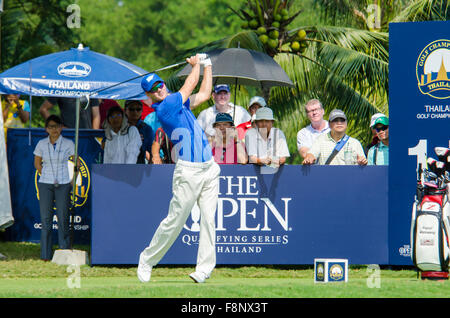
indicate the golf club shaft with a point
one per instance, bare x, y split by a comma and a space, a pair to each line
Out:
136, 77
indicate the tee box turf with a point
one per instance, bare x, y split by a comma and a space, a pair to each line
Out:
327, 270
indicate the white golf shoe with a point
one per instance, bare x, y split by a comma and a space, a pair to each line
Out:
144, 271
198, 277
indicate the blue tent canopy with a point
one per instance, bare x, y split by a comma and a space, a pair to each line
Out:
74, 73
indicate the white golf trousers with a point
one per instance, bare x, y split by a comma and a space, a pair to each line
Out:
192, 182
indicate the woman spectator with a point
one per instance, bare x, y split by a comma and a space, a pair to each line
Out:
122, 141
50, 159
226, 147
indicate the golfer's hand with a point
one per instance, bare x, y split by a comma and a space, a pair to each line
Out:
193, 60
204, 59
361, 160
309, 159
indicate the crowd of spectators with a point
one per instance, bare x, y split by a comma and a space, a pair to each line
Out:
237, 135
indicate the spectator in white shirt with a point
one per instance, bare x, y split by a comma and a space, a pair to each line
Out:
221, 95
122, 141
349, 150
266, 145
318, 126
51, 157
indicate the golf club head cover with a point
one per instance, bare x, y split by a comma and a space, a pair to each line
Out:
431, 162
443, 154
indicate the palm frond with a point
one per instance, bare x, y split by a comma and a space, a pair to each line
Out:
424, 10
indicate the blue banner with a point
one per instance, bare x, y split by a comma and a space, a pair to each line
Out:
291, 217
23, 183
419, 96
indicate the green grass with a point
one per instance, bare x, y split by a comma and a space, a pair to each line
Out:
22, 274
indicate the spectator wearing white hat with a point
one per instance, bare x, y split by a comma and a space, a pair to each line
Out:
336, 147
221, 95
256, 102
379, 153
318, 126
374, 139
265, 144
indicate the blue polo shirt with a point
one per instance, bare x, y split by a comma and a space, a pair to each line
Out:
180, 124
382, 155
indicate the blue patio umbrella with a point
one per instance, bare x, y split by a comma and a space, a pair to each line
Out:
74, 73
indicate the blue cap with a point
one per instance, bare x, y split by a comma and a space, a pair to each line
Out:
223, 118
148, 81
221, 87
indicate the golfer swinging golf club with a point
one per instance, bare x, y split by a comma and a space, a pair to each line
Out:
196, 175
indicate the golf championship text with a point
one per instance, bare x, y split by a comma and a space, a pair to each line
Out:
249, 217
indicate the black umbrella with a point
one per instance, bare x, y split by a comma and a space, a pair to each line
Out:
237, 66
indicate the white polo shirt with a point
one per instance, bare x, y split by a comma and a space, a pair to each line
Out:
55, 166
274, 147
123, 148
307, 135
207, 117
324, 145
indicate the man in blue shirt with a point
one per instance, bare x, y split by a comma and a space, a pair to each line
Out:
196, 175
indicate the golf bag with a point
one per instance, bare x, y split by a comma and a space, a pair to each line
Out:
430, 222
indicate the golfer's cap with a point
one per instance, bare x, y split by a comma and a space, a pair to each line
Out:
336, 113
375, 117
381, 120
264, 113
223, 118
257, 100
221, 87
148, 81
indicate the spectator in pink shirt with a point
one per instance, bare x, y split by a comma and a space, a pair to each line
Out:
226, 147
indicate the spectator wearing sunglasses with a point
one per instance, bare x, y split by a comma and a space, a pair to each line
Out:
196, 174
379, 154
133, 111
351, 153
122, 141
374, 139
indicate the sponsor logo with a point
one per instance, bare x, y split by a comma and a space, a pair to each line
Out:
405, 251
336, 272
74, 69
320, 273
83, 182
433, 69
427, 242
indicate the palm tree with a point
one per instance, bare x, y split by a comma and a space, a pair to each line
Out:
30, 28
344, 65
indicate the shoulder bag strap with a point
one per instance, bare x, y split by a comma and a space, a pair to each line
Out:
337, 148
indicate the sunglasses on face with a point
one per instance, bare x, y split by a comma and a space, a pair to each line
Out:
381, 128
157, 86
338, 120
118, 115
135, 109
53, 126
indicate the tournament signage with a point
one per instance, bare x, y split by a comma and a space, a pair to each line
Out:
291, 217
24, 177
419, 104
